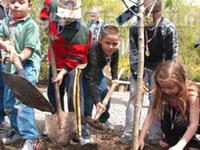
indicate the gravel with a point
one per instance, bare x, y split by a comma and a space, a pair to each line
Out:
117, 109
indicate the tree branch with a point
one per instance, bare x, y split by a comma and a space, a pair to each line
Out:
129, 8
133, 2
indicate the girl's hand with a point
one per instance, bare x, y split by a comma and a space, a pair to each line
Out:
140, 143
100, 105
176, 147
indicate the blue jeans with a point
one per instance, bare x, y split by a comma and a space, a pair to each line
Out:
103, 90
2, 112
21, 116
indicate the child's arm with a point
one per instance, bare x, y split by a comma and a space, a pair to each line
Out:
23, 56
193, 123
26, 53
145, 128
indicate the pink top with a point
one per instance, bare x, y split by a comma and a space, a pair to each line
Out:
175, 105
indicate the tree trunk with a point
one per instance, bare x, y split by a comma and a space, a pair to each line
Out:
140, 76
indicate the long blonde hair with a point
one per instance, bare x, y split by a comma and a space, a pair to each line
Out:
171, 70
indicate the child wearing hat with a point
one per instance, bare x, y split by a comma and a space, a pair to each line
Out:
70, 41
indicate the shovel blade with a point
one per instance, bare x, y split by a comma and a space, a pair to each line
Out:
26, 92
96, 124
61, 135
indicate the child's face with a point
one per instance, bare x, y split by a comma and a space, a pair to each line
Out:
19, 8
169, 87
109, 44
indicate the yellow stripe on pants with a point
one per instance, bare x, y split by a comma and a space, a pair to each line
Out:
76, 99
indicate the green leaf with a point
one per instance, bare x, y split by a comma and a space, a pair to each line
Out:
169, 3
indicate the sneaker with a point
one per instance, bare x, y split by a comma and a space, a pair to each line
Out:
85, 140
125, 139
75, 138
44, 134
109, 125
4, 125
11, 138
30, 144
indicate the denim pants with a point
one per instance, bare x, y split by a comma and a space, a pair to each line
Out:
2, 112
103, 90
21, 116
72, 83
155, 132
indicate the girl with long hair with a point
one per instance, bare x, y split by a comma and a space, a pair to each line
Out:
176, 101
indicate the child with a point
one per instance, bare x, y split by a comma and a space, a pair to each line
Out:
161, 43
177, 103
70, 41
101, 53
24, 33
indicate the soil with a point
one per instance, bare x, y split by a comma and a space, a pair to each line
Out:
103, 140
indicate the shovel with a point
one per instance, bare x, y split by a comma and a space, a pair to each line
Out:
94, 122
23, 89
61, 126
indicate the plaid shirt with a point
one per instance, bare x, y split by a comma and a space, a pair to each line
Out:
96, 28
163, 45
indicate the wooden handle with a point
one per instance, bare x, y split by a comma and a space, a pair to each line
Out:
105, 101
107, 97
17, 62
56, 86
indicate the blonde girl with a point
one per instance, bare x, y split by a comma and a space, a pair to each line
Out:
176, 101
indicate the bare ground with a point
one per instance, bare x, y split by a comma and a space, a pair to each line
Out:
103, 140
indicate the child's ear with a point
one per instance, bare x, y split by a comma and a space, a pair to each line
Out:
159, 14
100, 40
30, 5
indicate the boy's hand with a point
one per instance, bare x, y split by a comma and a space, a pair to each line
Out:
60, 76
5, 45
58, 79
100, 105
21, 57
115, 81
13, 53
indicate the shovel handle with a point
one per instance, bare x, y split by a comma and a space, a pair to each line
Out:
17, 62
107, 97
56, 86
105, 101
